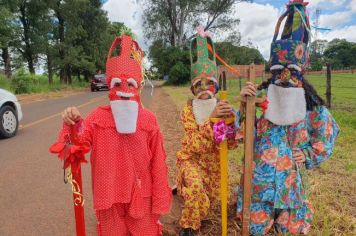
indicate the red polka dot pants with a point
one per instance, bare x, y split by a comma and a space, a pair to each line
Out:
117, 222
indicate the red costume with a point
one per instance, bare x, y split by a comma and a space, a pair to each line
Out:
129, 173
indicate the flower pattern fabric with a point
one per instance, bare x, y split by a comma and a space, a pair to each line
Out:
198, 165
278, 184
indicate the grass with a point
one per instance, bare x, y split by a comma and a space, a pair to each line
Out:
332, 187
39, 84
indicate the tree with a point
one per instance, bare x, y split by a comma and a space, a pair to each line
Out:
31, 17
174, 20
172, 61
340, 54
6, 35
317, 49
238, 55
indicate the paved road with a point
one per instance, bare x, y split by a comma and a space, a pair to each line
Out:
33, 198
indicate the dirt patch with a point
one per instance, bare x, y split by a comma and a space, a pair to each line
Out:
168, 117
33, 97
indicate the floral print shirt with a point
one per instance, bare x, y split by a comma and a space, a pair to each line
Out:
277, 179
198, 141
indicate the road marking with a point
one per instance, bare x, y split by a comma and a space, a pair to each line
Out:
58, 114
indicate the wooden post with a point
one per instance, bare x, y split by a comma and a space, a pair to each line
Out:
240, 82
328, 85
249, 154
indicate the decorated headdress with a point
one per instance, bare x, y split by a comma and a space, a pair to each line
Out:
124, 76
201, 65
128, 62
291, 51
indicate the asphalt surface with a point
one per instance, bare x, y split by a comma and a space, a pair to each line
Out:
33, 198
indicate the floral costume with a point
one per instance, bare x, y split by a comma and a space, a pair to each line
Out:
294, 119
278, 184
198, 161
198, 165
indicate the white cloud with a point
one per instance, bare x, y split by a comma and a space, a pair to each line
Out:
347, 32
130, 13
336, 19
353, 5
257, 23
326, 4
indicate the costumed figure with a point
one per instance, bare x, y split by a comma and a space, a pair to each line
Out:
198, 177
129, 173
294, 132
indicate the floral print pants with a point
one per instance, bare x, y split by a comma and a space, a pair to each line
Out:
293, 221
198, 184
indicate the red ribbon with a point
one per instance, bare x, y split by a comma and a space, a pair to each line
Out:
71, 154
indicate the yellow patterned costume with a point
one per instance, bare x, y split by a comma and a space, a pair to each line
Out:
198, 165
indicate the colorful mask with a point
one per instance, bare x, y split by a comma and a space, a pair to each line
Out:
291, 51
124, 77
203, 68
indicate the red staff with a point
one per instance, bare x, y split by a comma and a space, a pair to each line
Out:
72, 152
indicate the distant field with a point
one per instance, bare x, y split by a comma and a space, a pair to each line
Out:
333, 186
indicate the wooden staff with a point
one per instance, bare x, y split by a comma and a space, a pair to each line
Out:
249, 154
224, 176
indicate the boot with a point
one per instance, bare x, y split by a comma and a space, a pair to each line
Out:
186, 232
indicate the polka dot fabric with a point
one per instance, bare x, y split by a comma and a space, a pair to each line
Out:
119, 161
116, 222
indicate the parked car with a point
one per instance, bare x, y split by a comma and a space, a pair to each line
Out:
98, 83
10, 114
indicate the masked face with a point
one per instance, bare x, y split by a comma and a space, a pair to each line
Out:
124, 89
287, 77
204, 88
285, 95
124, 73
124, 101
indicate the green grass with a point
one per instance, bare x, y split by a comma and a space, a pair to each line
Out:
39, 84
332, 186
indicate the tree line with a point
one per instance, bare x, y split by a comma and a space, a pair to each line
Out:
71, 37
339, 53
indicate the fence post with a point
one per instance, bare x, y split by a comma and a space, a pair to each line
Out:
240, 82
328, 85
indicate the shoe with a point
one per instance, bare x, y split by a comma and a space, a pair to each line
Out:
186, 232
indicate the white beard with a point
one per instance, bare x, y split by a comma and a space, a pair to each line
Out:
202, 109
285, 105
125, 115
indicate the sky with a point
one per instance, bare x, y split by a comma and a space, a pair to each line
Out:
257, 19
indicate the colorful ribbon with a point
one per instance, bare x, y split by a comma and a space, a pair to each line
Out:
230, 68
223, 131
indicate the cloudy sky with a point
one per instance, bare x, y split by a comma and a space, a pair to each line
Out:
257, 19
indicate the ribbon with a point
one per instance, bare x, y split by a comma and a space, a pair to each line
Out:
79, 198
230, 68
71, 154
223, 131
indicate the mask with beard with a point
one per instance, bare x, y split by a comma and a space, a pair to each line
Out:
124, 73
204, 102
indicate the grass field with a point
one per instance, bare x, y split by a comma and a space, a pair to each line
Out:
39, 84
332, 187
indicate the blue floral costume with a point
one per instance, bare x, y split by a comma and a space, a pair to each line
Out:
278, 195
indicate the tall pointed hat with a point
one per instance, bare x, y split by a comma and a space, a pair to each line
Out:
292, 49
201, 64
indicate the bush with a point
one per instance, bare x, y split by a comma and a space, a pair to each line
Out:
179, 74
5, 83
21, 82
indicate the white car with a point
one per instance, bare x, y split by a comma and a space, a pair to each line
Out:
10, 114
